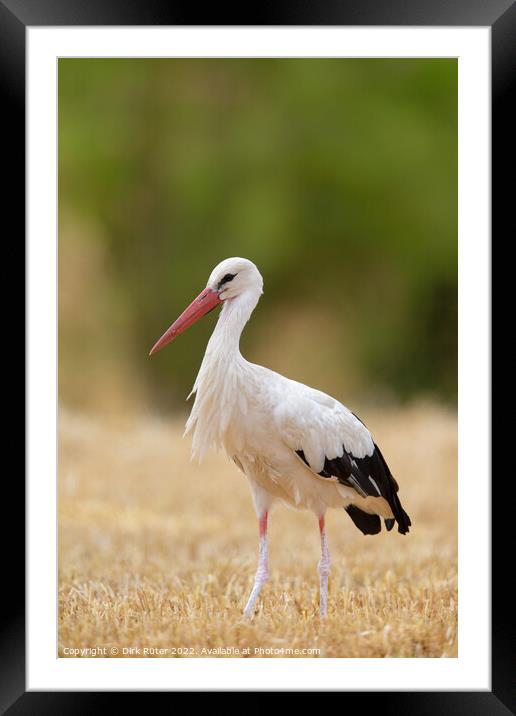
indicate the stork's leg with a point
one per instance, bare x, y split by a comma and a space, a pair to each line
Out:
262, 573
324, 569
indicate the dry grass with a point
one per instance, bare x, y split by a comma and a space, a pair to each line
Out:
157, 552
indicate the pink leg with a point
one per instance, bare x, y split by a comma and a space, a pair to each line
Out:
262, 573
324, 569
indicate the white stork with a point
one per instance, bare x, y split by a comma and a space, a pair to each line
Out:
293, 443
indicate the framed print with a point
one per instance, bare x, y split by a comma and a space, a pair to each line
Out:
343, 158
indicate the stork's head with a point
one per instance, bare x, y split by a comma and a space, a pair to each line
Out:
233, 276
228, 280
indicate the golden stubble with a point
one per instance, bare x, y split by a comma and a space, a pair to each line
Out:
158, 552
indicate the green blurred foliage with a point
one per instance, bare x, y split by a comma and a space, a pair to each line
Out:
337, 177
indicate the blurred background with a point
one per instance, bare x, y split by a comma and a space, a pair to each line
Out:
337, 177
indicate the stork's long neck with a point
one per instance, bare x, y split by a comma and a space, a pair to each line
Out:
218, 383
224, 343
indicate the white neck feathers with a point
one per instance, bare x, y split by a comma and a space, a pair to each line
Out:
219, 384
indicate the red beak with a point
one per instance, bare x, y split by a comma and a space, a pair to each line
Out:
203, 304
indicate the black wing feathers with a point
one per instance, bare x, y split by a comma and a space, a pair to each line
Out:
370, 477
366, 523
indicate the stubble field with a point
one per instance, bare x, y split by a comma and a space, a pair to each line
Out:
157, 552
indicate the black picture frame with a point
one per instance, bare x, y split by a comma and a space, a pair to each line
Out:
15, 17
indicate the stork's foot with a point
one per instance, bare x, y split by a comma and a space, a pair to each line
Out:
259, 581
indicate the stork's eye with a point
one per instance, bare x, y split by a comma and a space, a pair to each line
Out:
227, 278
